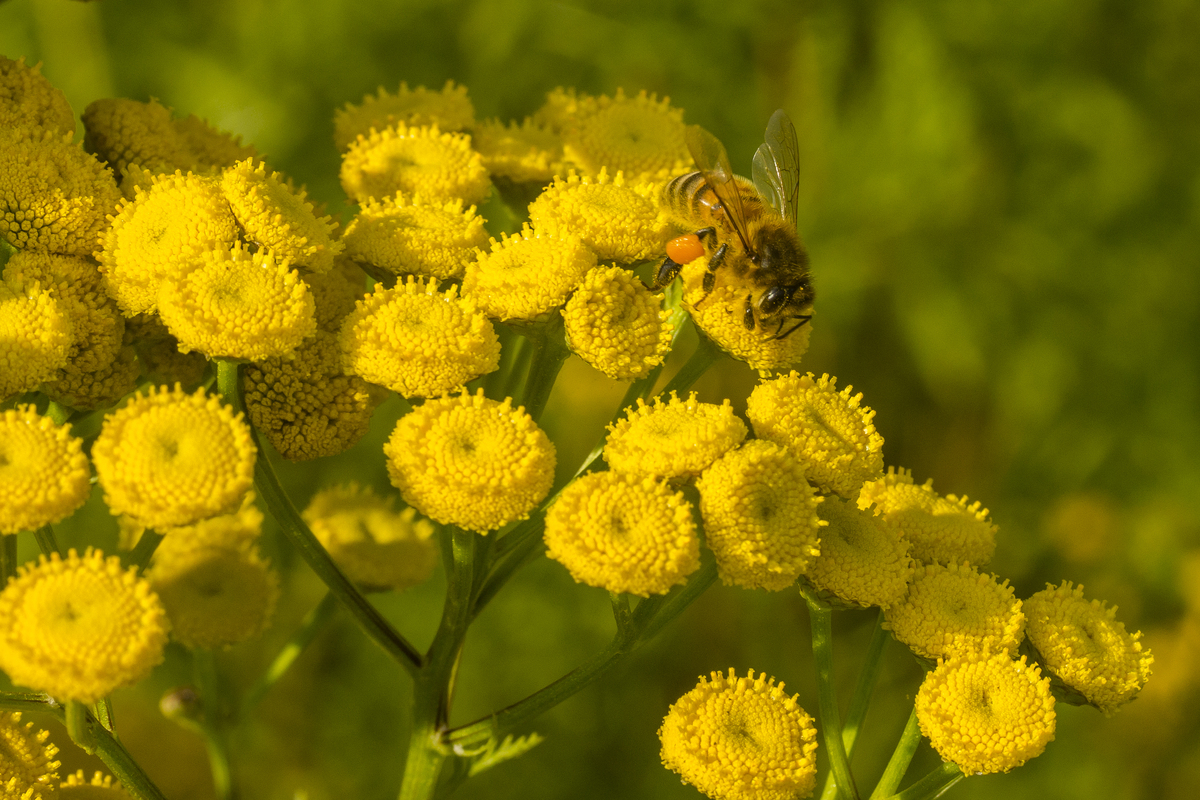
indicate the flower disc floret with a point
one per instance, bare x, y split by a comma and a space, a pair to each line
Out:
522, 153
418, 341
80, 627
862, 562
528, 274
432, 238
28, 769
100, 787
986, 713
741, 739
1084, 645
470, 461
830, 431
941, 529
168, 458
667, 438
624, 534
617, 325
28, 100
450, 109
414, 160
44, 475
35, 337
126, 132
641, 135
760, 516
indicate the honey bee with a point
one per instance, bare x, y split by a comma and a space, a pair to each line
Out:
747, 229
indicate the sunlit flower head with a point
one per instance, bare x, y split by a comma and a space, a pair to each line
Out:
861, 562
28, 768
100, 787
641, 135
741, 739
950, 610
669, 437
28, 100
523, 152
760, 516
414, 160
212, 148
373, 544
35, 337
54, 197
528, 274
44, 475
78, 628
616, 324
471, 462
163, 234
168, 458
123, 132
417, 341
617, 221
1084, 645
435, 239
831, 432
986, 713
238, 304
450, 109
942, 529
624, 534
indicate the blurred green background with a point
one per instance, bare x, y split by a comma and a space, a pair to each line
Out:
1002, 203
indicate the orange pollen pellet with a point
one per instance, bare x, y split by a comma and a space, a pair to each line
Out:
685, 249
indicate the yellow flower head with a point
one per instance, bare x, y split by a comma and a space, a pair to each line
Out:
28, 768
159, 356
760, 516
450, 109
237, 304
561, 107
667, 438
212, 148
617, 325
618, 222
335, 292
54, 197
98, 389
417, 341
1083, 645
373, 544
125, 132
35, 337
522, 153
471, 462
528, 274
624, 534
641, 135
414, 160
954, 609
741, 739
986, 713
168, 458
81, 627
100, 787
276, 216
829, 431
44, 475
243, 526
941, 529
862, 562
163, 234
28, 100
435, 239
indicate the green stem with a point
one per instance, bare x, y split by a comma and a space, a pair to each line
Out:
228, 383
902, 756
831, 727
934, 784
46, 541
703, 357
143, 551
301, 639
120, 763
213, 722
861, 698
8, 557
57, 412
102, 710
550, 352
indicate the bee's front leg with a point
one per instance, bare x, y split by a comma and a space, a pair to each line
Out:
666, 273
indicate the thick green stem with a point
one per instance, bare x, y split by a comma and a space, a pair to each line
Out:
143, 551
861, 699
214, 722
550, 352
821, 617
46, 540
933, 785
57, 412
902, 756
8, 557
301, 639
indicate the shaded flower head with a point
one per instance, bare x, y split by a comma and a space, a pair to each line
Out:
100, 787
28, 768
861, 562
125, 132
526, 275
450, 109
44, 475
741, 739
35, 337
414, 160
523, 152
641, 135
212, 148
433, 238
624, 534
672, 437
28, 100
616, 324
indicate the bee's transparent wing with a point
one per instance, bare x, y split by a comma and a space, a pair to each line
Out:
777, 166
713, 163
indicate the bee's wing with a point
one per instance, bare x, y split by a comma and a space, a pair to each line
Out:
713, 163
777, 166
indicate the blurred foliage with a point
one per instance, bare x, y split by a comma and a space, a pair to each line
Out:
1002, 203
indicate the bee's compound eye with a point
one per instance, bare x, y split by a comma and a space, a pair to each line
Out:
685, 249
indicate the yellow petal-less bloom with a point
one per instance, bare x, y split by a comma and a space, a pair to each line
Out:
471, 462
163, 234
414, 160
986, 713
940, 529
168, 458
373, 544
228, 530
28, 100
741, 739
617, 221
80, 627
829, 431
278, 217
100, 787
125, 132
616, 324
237, 304
450, 109
213, 149
35, 338
527, 275
335, 292
44, 475
54, 197
862, 562
28, 768
417, 341
522, 153
158, 353
760, 516
1083, 644
641, 135
561, 107
952, 610
435, 239
667, 438
624, 534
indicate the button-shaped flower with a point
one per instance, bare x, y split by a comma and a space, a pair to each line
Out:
640, 135
28, 100
861, 562
450, 109
523, 152
527, 275
667, 438
414, 160
28, 769
435, 239
616, 324
35, 337
44, 475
